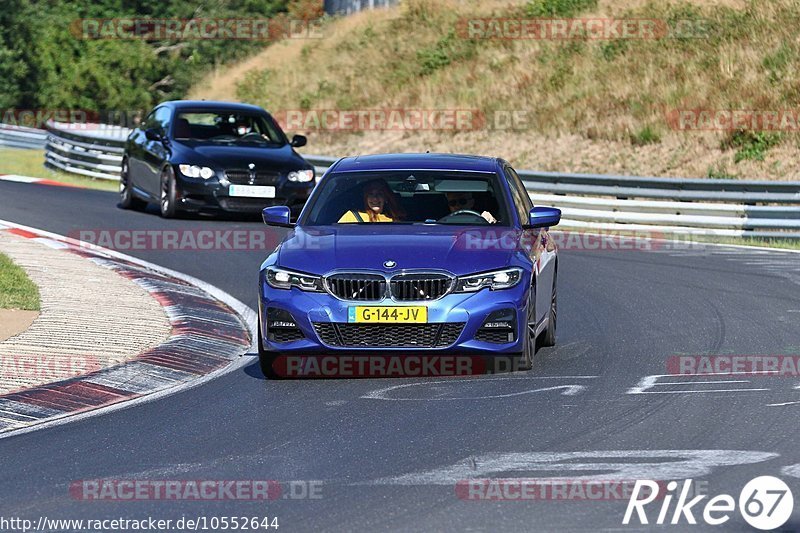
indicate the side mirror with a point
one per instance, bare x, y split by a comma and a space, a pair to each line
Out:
544, 217
152, 134
277, 215
298, 141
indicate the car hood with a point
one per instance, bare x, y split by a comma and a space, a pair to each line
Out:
457, 249
282, 158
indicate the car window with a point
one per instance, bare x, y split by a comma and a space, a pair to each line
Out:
519, 195
227, 127
521, 187
150, 121
161, 119
415, 197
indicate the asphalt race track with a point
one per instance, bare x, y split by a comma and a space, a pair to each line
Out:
390, 460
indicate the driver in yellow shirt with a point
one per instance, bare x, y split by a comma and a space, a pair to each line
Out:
380, 205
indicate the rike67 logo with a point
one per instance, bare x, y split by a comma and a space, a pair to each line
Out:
765, 503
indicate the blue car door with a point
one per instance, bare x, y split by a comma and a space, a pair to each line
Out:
542, 255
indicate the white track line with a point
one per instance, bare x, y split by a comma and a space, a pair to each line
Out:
19, 179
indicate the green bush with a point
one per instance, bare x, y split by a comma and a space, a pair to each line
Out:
446, 50
44, 65
644, 136
751, 145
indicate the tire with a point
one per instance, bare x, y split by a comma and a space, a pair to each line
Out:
549, 337
266, 359
127, 200
167, 201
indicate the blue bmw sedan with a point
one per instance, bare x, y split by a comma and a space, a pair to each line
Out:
401, 254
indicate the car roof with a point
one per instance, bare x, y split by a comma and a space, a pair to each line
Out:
211, 105
426, 161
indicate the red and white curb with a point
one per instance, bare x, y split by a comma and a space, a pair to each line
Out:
40, 181
210, 331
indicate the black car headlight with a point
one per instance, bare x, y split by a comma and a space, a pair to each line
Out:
495, 280
279, 278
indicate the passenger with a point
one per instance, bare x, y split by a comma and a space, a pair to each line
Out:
243, 127
460, 201
380, 205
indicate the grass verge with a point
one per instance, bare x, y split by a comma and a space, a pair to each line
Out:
17, 291
31, 163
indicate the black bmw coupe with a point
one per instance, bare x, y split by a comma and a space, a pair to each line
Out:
192, 156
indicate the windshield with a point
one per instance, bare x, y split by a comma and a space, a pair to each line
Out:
227, 127
409, 197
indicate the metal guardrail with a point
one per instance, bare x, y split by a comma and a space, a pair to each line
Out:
92, 150
724, 208
19, 137
656, 206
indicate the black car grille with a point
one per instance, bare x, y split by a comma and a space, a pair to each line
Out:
285, 334
415, 287
260, 177
364, 287
404, 287
389, 335
247, 204
494, 336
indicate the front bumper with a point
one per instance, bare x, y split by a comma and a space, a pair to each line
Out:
317, 316
195, 195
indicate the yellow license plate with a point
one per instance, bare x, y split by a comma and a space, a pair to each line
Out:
388, 314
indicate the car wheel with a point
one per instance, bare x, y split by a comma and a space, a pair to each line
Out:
266, 359
127, 200
549, 337
167, 202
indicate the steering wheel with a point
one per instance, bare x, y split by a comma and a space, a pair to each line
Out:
469, 212
251, 135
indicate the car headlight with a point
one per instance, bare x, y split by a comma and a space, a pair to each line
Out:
193, 171
301, 175
279, 278
495, 280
